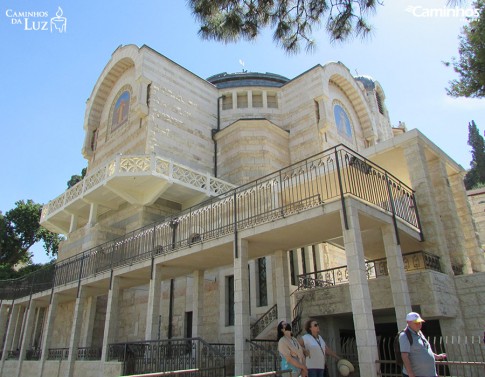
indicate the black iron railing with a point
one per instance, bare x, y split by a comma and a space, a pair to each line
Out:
327, 176
89, 353
263, 358
168, 355
264, 321
419, 260
58, 354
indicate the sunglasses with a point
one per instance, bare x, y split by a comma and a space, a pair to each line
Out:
287, 327
316, 325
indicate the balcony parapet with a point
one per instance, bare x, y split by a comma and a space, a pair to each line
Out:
138, 166
418, 260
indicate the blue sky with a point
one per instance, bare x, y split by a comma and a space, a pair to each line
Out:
48, 76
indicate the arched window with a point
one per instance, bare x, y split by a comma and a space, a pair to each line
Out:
121, 109
342, 120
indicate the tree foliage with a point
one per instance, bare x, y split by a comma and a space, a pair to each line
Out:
20, 229
76, 178
476, 175
292, 20
470, 65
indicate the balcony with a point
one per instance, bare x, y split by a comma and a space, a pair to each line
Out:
199, 235
136, 179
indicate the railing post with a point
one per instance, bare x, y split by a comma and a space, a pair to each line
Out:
393, 209
342, 198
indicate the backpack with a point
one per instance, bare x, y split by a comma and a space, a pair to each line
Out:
397, 347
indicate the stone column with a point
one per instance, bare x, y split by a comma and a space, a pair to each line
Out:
359, 293
153, 306
310, 267
77, 323
197, 303
18, 326
73, 223
88, 326
111, 321
282, 282
48, 331
14, 309
397, 275
4, 309
472, 244
27, 334
448, 212
419, 173
93, 214
241, 310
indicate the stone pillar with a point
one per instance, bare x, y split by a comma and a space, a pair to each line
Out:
27, 335
197, 303
93, 214
88, 322
452, 227
153, 306
241, 310
4, 309
18, 326
14, 309
73, 224
419, 173
77, 323
282, 282
472, 245
310, 267
359, 293
397, 275
49, 330
111, 321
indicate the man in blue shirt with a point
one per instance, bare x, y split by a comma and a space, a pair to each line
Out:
418, 358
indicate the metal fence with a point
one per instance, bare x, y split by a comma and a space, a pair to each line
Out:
465, 356
168, 355
328, 176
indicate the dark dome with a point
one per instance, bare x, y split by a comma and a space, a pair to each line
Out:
235, 80
368, 82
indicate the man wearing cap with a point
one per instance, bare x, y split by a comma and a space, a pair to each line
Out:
418, 358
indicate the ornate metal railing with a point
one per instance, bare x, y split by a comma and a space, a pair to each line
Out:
168, 355
419, 260
328, 176
89, 353
58, 354
264, 321
263, 359
134, 165
33, 354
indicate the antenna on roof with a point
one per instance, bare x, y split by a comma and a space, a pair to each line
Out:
242, 64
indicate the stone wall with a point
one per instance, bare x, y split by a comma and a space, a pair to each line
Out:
471, 294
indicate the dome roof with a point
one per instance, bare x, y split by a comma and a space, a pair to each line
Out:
235, 80
368, 82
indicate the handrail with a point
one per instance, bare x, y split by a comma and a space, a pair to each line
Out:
263, 321
296, 188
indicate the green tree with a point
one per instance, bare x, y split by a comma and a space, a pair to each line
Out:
292, 21
20, 229
476, 175
470, 65
76, 178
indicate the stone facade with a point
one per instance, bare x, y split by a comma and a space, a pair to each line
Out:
207, 203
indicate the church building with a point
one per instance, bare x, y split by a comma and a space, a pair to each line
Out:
214, 208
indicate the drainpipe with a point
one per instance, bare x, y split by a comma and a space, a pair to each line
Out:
214, 132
